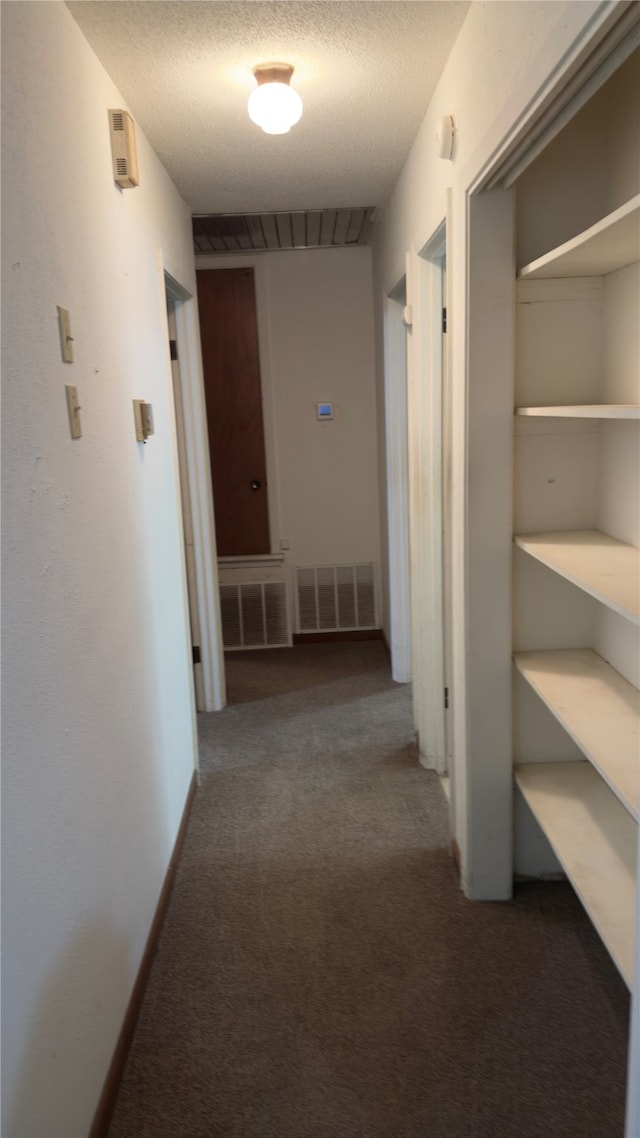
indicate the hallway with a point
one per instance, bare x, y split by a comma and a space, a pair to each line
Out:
320, 972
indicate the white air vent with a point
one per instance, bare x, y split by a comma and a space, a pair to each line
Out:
123, 149
254, 615
333, 598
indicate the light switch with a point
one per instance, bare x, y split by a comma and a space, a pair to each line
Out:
146, 414
66, 339
73, 408
143, 418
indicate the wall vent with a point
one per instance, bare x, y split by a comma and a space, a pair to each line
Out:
299, 229
334, 598
123, 149
255, 615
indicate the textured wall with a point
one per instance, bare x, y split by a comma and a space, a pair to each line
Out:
322, 349
98, 730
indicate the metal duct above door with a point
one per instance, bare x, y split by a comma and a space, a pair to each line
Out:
300, 229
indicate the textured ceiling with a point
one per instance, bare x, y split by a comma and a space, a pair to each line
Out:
365, 72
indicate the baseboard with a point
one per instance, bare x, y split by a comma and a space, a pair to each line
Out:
106, 1105
455, 853
385, 645
337, 637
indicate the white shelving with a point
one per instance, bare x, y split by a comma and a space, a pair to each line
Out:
607, 569
576, 478
610, 244
594, 838
585, 411
597, 707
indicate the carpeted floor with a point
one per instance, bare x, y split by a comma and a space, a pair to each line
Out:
320, 974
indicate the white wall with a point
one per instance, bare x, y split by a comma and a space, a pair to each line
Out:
497, 70
98, 729
315, 316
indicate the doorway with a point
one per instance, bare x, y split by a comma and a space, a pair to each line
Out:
185, 501
429, 419
395, 381
447, 523
233, 392
192, 461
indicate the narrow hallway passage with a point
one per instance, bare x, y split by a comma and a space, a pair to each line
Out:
321, 974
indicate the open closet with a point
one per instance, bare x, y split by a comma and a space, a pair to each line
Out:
576, 565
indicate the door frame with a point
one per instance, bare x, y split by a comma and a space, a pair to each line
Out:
396, 429
260, 267
447, 509
185, 500
427, 381
196, 457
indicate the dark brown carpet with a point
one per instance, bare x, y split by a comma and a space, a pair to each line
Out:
320, 974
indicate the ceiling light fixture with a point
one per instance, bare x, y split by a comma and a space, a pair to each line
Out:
274, 105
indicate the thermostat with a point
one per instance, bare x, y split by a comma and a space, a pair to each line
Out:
324, 410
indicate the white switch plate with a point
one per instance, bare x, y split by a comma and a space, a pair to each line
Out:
137, 418
146, 417
66, 339
143, 419
73, 408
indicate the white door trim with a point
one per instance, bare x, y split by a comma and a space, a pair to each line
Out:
490, 350
199, 475
447, 510
395, 397
185, 499
425, 360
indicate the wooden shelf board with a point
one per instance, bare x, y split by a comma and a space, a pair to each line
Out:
597, 707
607, 569
610, 244
585, 411
594, 838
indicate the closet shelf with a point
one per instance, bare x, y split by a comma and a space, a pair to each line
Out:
610, 244
594, 839
585, 411
607, 569
597, 707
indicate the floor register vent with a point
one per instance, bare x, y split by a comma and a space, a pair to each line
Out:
254, 615
334, 598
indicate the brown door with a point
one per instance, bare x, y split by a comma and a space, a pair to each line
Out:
229, 332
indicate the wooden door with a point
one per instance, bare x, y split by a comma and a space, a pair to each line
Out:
229, 333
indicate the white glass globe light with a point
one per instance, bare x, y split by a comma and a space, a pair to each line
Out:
274, 105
